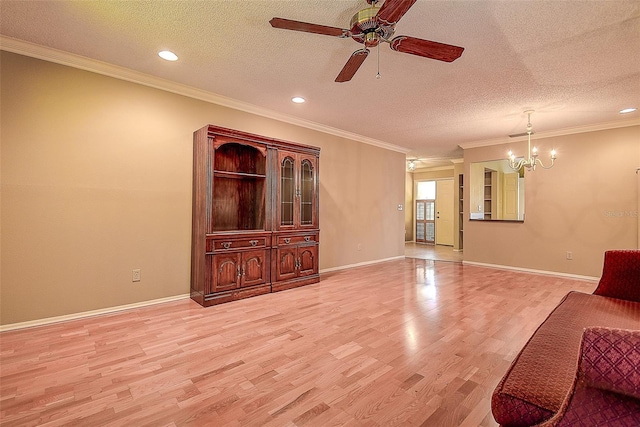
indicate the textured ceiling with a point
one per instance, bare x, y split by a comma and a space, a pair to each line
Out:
576, 63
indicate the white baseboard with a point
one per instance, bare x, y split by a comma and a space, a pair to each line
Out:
530, 270
92, 313
360, 264
109, 310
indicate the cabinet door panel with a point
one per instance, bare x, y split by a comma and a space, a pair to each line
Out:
225, 272
287, 194
307, 191
286, 263
253, 268
308, 260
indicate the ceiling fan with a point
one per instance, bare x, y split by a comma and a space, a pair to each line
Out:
373, 25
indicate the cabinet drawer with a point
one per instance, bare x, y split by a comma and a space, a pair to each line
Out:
297, 239
215, 245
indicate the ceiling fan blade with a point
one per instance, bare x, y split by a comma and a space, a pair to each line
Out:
392, 10
426, 48
352, 65
288, 24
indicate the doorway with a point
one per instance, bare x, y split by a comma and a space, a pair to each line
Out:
434, 212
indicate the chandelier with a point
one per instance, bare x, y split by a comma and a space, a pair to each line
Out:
533, 160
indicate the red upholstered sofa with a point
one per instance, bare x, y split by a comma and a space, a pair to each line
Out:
607, 386
543, 375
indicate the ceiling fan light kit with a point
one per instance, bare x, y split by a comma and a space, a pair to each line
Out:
371, 26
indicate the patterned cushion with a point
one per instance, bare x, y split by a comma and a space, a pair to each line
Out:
620, 275
591, 407
611, 360
543, 373
608, 380
513, 411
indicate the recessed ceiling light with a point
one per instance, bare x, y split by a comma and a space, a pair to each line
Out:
298, 99
628, 110
168, 55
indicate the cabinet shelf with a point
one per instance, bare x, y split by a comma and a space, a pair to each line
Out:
237, 175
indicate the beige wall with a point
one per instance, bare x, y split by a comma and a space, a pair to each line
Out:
433, 174
96, 181
587, 203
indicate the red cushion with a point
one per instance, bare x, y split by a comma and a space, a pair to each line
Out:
611, 360
542, 375
594, 407
620, 275
607, 388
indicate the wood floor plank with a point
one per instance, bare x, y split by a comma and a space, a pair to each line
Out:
408, 342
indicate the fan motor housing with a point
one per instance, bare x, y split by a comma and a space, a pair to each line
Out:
366, 29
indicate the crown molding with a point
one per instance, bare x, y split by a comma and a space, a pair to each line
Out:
550, 134
33, 50
433, 169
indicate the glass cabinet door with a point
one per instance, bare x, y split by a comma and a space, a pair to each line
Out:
287, 191
306, 193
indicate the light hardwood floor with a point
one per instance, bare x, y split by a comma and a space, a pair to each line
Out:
434, 252
408, 342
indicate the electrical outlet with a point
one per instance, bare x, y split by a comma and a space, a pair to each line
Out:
135, 277
359, 246
569, 255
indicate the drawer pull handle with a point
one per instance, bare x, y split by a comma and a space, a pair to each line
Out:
287, 240
253, 242
307, 238
226, 245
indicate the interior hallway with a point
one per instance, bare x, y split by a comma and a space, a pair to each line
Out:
434, 252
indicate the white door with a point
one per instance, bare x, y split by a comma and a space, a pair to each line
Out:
510, 196
444, 212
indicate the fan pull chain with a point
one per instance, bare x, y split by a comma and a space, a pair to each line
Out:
378, 75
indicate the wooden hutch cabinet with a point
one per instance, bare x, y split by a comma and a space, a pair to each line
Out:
255, 215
